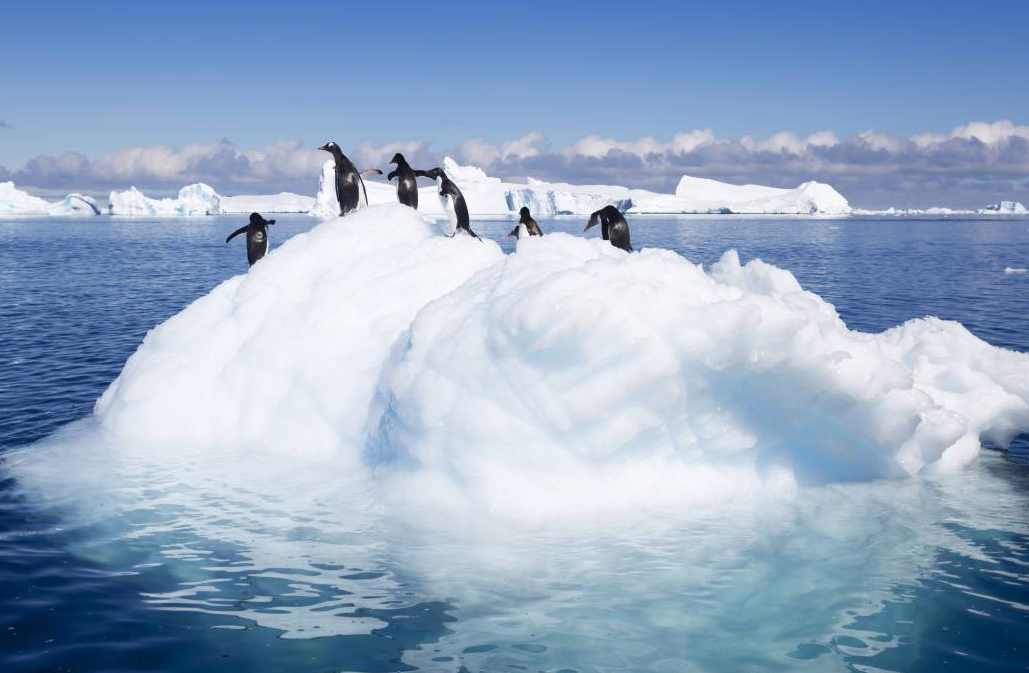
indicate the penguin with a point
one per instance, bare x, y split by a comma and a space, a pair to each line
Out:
613, 227
350, 190
257, 237
407, 182
526, 225
452, 200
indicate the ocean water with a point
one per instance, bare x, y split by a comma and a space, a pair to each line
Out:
172, 573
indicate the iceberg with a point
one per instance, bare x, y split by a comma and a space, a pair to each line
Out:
911, 212
810, 198
193, 200
1004, 208
491, 197
566, 378
283, 202
16, 202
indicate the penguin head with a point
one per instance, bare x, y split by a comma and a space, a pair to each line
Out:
397, 159
331, 147
523, 215
435, 173
257, 221
595, 219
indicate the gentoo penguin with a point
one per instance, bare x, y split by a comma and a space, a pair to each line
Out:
257, 237
350, 191
613, 227
452, 200
526, 225
407, 182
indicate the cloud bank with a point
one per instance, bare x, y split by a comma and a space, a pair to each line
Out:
968, 166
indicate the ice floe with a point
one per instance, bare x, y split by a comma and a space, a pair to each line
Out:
568, 377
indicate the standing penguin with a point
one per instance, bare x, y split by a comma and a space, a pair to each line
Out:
350, 191
526, 225
452, 200
613, 227
407, 182
257, 237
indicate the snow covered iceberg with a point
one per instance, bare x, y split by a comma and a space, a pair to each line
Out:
810, 198
193, 200
14, 201
568, 377
491, 197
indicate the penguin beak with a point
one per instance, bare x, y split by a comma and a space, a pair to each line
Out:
324, 148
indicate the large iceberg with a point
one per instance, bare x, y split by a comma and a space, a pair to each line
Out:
700, 195
14, 201
568, 377
491, 197
192, 200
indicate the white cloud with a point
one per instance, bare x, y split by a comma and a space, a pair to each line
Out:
988, 133
929, 168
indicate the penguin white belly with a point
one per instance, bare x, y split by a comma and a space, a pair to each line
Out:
523, 231
450, 210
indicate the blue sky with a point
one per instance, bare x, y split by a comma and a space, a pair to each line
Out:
92, 78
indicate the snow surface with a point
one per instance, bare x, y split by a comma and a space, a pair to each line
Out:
569, 377
14, 201
491, 197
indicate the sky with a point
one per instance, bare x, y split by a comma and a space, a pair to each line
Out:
906, 104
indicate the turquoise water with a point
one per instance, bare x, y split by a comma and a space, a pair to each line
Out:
167, 571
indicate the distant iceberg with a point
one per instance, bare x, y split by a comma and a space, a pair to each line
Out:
283, 202
192, 201
1004, 208
199, 199
491, 197
15, 202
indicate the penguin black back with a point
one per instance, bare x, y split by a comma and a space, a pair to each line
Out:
525, 219
257, 237
349, 186
407, 181
613, 227
452, 200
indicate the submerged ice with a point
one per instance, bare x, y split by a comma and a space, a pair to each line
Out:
569, 376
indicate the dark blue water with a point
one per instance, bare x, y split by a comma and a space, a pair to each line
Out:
76, 298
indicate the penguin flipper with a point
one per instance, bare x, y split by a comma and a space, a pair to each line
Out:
514, 232
422, 174
370, 171
241, 230
392, 174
